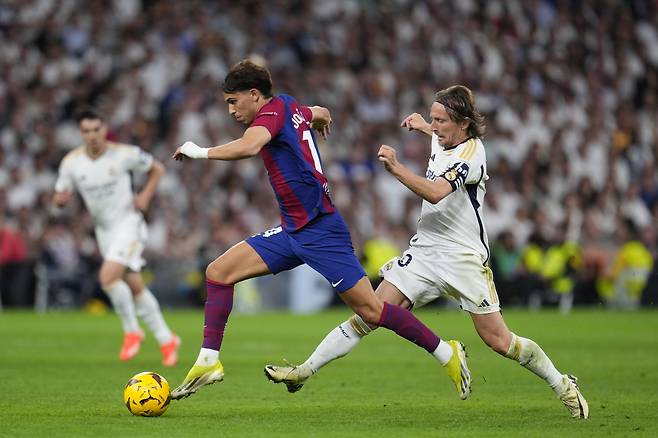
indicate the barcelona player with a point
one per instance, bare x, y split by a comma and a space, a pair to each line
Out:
312, 231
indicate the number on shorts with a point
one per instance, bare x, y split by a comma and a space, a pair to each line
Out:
272, 232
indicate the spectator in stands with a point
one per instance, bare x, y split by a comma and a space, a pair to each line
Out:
568, 89
14, 274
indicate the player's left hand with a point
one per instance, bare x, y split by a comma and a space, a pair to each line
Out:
414, 121
388, 157
323, 127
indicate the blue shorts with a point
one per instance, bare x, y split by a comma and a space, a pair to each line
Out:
324, 244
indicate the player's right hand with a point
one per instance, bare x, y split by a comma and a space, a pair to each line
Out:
388, 157
414, 121
62, 198
191, 150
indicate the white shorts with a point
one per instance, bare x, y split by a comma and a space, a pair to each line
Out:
124, 242
424, 274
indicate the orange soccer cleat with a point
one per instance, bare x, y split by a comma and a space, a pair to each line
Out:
170, 351
131, 343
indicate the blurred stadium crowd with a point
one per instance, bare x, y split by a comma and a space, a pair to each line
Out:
569, 89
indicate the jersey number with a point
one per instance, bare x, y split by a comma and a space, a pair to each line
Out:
308, 138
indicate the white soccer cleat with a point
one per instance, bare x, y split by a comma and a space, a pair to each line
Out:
198, 377
293, 376
573, 399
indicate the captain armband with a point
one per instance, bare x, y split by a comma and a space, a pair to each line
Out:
456, 175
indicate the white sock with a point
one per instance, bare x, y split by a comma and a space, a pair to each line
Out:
148, 310
207, 357
122, 301
340, 341
531, 356
443, 352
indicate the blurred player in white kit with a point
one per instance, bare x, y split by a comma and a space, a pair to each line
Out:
100, 171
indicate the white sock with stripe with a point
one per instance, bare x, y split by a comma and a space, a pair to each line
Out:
338, 342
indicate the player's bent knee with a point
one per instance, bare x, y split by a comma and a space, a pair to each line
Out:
216, 272
369, 315
107, 280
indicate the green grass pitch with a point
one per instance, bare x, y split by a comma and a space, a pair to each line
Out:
60, 376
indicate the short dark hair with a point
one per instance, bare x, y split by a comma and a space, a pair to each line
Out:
460, 105
88, 113
246, 75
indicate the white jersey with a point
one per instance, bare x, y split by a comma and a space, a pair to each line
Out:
104, 183
454, 224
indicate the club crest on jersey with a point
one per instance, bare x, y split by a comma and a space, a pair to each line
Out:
450, 175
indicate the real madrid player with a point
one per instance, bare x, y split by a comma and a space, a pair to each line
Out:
448, 255
100, 171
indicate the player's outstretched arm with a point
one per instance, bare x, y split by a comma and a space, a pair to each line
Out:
431, 191
143, 198
416, 122
321, 120
250, 144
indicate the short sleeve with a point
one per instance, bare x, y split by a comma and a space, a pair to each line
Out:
64, 182
477, 166
467, 167
271, 117
139, 160
307, 113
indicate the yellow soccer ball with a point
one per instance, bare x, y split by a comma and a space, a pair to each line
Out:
147, 394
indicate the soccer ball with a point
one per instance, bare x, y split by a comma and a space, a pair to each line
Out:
147, 394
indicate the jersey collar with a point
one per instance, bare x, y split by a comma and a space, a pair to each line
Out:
453, 147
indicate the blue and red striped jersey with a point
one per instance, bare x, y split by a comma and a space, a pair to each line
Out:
293, 162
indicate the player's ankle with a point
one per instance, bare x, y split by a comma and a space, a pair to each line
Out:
305, 370
207, 357
443, 352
